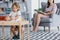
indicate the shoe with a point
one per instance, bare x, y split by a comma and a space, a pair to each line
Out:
18, 37
14, 37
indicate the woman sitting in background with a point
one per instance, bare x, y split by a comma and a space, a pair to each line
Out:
51, 8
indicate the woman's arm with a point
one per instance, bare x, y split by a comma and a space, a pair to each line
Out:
47, 13
52, 11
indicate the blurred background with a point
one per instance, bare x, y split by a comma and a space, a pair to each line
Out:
27, 8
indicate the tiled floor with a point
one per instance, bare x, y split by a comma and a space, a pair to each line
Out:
45, 36
39, 35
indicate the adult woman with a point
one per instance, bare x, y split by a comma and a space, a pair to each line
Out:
50, 9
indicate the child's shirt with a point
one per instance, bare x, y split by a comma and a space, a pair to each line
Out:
14, 14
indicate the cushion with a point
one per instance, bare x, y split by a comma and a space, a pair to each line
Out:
58, 5
58, 12
44, 5
45, 20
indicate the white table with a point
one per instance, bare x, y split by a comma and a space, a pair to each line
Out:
3, 23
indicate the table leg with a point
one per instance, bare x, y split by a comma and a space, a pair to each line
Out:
10, 35
2, 32
28, 33
20, 31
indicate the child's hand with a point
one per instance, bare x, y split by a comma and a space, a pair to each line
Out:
8, 18
13, 18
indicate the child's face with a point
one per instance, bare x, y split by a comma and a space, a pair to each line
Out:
15, 8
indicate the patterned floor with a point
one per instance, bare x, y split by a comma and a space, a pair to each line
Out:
45, 36
39, 35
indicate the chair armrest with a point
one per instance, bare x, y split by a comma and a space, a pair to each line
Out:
58, 12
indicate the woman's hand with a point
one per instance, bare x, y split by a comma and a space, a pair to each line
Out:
45, 13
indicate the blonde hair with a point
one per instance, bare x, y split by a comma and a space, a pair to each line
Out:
17, 5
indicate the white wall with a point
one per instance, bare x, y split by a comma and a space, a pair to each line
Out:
57, 1
34, 5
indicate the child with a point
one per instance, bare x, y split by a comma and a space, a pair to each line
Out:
15, 15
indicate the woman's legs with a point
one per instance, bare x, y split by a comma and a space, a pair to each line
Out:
35, 17
38, 19
36, 22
